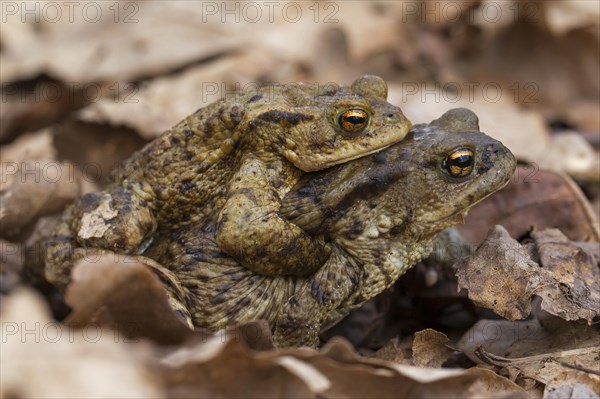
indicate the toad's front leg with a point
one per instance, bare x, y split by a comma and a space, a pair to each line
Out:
118, 220
252, 231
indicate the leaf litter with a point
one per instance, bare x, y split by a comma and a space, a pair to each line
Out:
523, 324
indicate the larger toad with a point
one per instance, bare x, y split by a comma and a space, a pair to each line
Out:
378, 214
231, 163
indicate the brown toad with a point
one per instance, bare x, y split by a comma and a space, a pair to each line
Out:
378, 214
232, 162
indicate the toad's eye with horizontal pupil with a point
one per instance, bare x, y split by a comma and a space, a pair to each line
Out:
459, 163
353, 120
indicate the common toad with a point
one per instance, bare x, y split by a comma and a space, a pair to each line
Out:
378, 214
231, 163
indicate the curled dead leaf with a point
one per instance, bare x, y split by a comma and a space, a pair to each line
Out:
575, 291
498, 275
36, 188
43, 358
123, 292
429, 348
563, 353
502, 276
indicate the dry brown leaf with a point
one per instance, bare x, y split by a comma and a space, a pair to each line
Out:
123, 292
551, 72
558, 352
359, 381
35, 146
223, 367
439, 15
508, 47
395, 352
27, 109
45, 359
128, 297
502, 276
94, 149
429, 348
382, 28
33, 189
537, 199
112, 41
130, 40
493, 385
355, 377
575, 292
564, 366
505, 338
516, 340
585, 114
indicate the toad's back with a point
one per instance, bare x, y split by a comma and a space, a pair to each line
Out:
290, 129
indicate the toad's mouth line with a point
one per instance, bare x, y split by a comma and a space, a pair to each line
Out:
339, 161
464, 210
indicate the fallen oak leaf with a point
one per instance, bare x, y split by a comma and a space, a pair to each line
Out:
575, 293
497, 275
223, 366
429, 348
123, 292
33, 189
509, 338
43, 358
548, 368
353, 376
394, 351
130, 51
493, 385
502, 276
315, 380
530, 351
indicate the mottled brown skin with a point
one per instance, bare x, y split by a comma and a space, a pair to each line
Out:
378, 214
230, 163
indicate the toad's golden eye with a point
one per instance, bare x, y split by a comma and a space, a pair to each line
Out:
353, 120
459, 163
